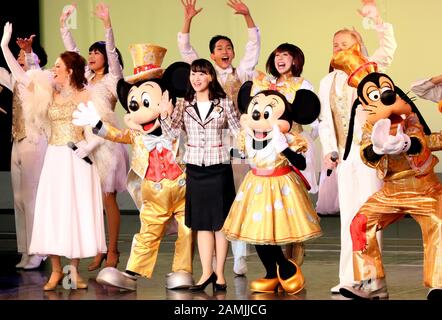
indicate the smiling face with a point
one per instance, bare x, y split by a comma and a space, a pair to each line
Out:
382, 102
264, 111
223, 54
96, 61
60, 72
283, 63
144, 107
200, 81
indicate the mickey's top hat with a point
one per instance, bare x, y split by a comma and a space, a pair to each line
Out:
147, 59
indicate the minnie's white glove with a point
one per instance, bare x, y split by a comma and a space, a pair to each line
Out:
279, 139
384, 143
85, 115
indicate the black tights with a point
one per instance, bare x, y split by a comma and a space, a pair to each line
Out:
272, 255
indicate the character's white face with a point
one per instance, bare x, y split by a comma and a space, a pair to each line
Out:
143, 104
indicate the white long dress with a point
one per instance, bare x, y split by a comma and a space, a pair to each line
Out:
68, 217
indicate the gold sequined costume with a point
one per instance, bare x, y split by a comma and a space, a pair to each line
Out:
157, 185
410, 187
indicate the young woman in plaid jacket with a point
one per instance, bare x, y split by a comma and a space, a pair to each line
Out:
204, 115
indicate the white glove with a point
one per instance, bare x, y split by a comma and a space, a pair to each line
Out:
166, 106
84, 116
7, 32
279, 139
384, 143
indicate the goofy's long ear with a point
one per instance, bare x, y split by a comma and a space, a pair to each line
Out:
306, 107
414, 108
244, 97
123, 88
351, 126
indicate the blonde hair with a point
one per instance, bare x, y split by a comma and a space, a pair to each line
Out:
349, 32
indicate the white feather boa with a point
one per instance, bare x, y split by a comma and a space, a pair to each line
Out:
36, 101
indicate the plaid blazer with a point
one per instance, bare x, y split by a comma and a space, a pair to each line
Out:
204, 138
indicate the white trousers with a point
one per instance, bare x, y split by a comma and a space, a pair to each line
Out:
356, 183
26, 163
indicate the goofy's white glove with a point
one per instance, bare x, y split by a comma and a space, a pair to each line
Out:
85, 115
384, 143
279, 139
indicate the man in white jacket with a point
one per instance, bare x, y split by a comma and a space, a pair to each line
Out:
356, 182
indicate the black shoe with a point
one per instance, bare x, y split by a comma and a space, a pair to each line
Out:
219, 287
202, 286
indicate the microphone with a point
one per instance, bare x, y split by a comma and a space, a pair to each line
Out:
333, 157
74, 147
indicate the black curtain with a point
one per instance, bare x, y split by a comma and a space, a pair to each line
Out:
25, 19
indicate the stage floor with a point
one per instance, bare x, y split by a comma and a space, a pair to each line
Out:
402, 259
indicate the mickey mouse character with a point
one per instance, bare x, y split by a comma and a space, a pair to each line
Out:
396, 142
272, 206
155, 181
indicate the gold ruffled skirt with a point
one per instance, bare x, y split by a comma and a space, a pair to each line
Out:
272, 210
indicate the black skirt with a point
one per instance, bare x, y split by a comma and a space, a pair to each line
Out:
210, 192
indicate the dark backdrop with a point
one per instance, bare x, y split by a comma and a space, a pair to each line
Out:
25, 19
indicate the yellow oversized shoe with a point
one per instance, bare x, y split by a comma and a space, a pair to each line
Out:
265, 285
295, 283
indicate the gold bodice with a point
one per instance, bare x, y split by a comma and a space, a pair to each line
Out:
62, 128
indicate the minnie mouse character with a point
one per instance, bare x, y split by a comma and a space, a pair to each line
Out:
397, 142
272, 206
155, 181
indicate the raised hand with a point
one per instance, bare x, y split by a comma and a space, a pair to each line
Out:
370, 10
189, 9
379, 134
66, 14
102, 13
166, 106
279, 139
7, 32
384, 143
26, 43
85, 115
239, 7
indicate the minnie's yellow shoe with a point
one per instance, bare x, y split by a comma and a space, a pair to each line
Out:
295, 283
265, 285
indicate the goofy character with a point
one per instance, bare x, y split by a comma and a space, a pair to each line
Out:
396, 141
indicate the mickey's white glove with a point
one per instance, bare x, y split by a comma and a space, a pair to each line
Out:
384, 143
279, 139
85, 115
166, 106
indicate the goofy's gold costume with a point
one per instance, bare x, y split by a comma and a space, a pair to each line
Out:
156, 182
396, 142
